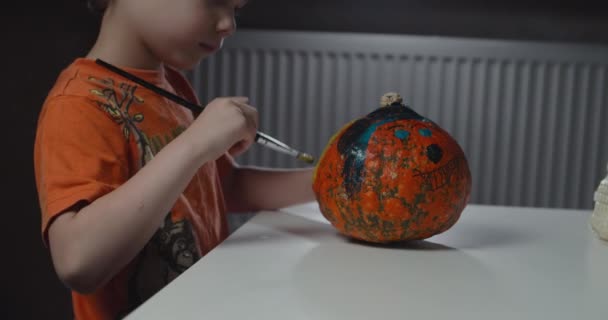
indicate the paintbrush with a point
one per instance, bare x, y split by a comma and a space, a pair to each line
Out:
260, 137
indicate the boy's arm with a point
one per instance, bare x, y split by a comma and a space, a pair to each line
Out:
253, 189
88, 247
91, 245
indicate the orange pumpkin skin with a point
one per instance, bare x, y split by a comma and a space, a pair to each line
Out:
392, 176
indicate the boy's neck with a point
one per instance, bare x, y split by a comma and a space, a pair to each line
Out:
119, 45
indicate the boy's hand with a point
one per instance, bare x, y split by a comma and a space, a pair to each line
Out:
228, 123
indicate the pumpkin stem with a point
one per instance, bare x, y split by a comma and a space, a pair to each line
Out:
391, 98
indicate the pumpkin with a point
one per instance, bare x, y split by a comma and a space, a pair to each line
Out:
391, 176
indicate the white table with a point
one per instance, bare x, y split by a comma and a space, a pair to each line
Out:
495, 263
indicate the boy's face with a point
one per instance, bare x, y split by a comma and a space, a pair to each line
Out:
181, 32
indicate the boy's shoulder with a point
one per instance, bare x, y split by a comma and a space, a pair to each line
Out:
63, 82
84, 78
86, 85
78, 85
82, 90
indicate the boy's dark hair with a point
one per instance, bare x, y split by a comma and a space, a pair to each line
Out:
97, 6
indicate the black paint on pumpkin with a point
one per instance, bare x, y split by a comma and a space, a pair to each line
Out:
354, 141
434, 153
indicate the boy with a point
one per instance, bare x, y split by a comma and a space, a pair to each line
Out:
132, 189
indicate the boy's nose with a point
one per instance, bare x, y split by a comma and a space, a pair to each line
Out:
226, 26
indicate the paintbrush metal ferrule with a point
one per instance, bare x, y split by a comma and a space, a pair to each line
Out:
279, 146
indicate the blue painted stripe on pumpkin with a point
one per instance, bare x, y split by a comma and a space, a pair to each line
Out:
367, 134
355, 161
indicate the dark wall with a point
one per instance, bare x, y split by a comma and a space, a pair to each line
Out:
36, 44
38, 41
565, 21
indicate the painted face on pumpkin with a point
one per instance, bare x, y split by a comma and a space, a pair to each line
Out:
391, 176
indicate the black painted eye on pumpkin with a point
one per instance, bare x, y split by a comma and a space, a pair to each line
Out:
434, 153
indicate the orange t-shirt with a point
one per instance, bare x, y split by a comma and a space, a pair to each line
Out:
96, 130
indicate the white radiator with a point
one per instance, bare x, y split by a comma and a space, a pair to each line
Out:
531, 117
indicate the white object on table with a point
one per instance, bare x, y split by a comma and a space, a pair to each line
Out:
495, 263
599, 218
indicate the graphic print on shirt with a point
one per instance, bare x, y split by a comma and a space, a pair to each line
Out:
173, 247
170, 252
118, 107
